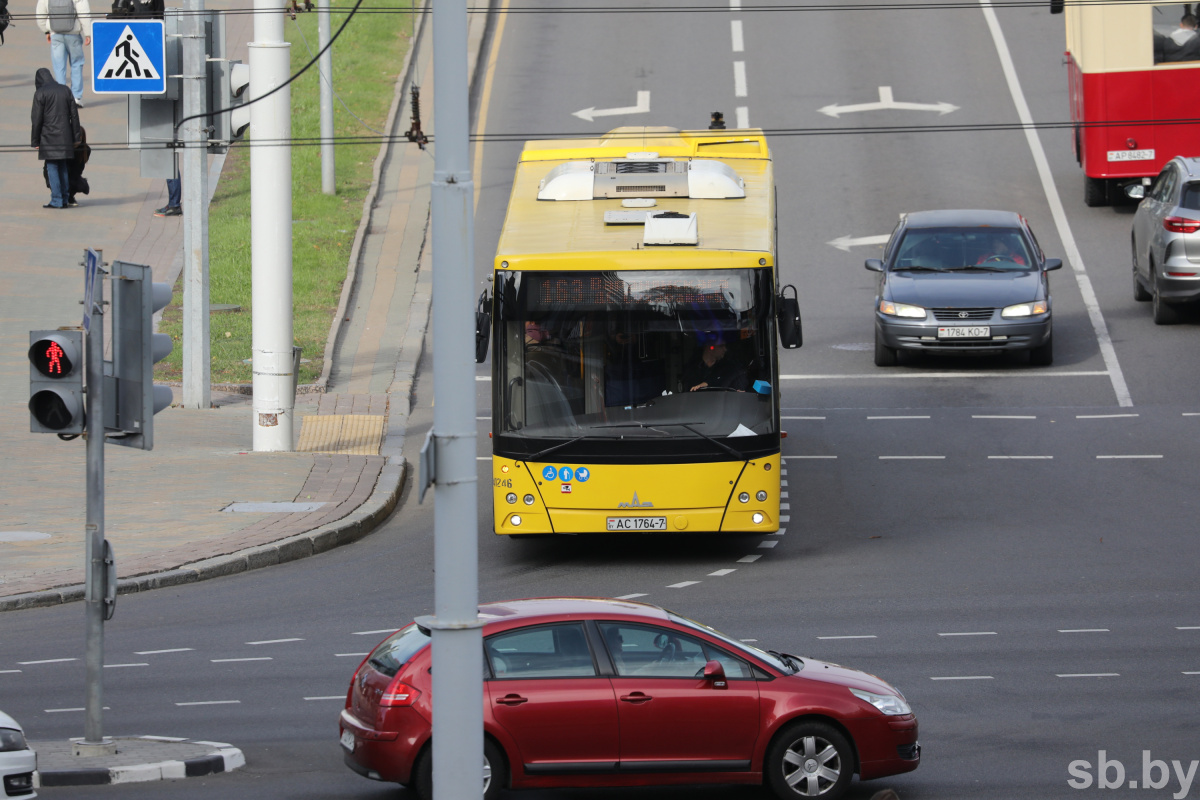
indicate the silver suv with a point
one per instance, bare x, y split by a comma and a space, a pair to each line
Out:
1166, 239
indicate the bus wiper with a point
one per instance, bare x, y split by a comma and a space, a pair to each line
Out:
686, 426
556, 447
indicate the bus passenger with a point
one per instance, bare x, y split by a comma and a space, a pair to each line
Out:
1183, 44
714, 371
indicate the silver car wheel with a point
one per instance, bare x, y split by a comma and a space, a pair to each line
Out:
487, 774
811, 766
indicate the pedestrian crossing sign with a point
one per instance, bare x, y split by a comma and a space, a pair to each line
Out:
128, 57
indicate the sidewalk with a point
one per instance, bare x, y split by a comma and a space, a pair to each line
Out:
193, 508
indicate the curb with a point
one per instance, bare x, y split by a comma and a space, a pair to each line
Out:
224, 758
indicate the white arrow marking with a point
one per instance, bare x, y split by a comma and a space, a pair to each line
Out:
642, 107
887, 101
844, 243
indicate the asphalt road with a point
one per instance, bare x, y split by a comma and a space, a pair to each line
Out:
1013, 547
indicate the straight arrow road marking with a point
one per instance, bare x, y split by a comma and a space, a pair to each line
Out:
642, 107
889, 103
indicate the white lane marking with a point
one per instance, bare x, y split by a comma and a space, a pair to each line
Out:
735, 5
115, 666
1104, 416
1088, 675
630, 596
483, 377
483, 458
373, 633
722, 572
1085, 630
739, 79
868, 636
1191, 413
1021, 458
231, 660
328, 697
60, 710
487, 418
798, 458
962, 678
276, 641
785, 518
1177, 627
969, 633
802, 418
930, 375
211, 744
1130, 456
642, 106
351, 655
8, 671
783, 494
768, 544
742, 115
1191, 673
911, 458
902, 417
210, 703
887, 100
1001, 416
46, 661
785, 506
682, 584
748, 559
1074, 258
739, 44
164, 738
159, 652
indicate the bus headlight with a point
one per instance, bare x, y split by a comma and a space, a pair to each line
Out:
510, 497
758, 518
762, 495
515, 519
528, 499
744, 497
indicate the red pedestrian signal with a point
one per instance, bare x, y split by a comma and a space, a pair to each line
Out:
56, 382
50, 359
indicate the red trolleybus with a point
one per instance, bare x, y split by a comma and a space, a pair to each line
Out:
1134, 70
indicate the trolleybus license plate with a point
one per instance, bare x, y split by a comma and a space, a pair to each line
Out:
965, 332
1130, 155
637, 523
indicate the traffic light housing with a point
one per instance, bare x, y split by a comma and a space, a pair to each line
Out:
56, 382
227, 82
136, 348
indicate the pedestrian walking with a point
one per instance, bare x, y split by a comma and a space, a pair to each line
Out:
174, 193
68, 28
76, 182
55, 134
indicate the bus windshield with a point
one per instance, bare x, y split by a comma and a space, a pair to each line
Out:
644, 355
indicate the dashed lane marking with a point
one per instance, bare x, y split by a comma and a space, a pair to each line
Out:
1187, 627
739, 79
742, 113
802, 418
231, 660
1020, 458
797, 458
61, 710
160, 652
722, 572
1088, 675
373, 633
866, 636
748, 559
1084, 630
962, 678
784, 518
1131, 456
885, 376
276, 641
630, 596
1001, 416
1191, 673
46, 661
351, 655
735, 30
769, 543
682, 584
914, 416
115, 666
210, 703
328, 697
912, 458
969, 633
8, 671
1103, 416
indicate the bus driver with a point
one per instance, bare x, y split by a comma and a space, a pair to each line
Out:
714, 371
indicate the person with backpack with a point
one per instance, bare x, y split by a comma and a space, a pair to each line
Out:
68, 28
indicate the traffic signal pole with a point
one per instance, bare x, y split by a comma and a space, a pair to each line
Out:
325, 66
94, 743
197, 370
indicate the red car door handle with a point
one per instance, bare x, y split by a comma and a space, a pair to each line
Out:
636, 697
511, 700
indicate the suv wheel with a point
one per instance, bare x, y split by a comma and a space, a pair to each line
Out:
1164, 312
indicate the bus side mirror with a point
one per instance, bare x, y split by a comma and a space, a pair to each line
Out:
788, 316
483, 326
1135, 191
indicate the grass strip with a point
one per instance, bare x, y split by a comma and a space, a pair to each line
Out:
365, 62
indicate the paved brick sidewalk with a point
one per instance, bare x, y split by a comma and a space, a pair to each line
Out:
164, 511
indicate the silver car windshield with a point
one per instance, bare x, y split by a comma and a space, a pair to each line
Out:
948, 249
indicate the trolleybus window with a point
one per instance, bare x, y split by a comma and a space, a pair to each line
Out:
670, 354
1175, 34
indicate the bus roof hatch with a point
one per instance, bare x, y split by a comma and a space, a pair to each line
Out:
641, 177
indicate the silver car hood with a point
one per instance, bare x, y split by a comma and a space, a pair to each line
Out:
963, 289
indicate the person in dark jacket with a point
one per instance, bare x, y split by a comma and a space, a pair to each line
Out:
55, 132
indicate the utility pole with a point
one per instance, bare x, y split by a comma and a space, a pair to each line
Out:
457, 635
325, 67
271, 231
197, 365
95, 590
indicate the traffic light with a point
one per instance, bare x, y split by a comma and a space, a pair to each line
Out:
227, 82
56, 382
135, 349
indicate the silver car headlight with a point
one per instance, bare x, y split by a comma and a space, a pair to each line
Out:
901, 310
12, 740
889, 704
1025, 309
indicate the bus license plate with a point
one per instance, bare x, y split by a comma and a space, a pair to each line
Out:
637, 523
965, 332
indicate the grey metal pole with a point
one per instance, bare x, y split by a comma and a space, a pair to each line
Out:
271, 232
94, 743
457, 639
197, 371
325, 66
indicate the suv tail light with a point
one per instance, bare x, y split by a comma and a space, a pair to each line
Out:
1181, 224
398, 694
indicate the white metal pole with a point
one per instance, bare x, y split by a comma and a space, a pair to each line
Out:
325, 65
197, 371
271, 231
457, 639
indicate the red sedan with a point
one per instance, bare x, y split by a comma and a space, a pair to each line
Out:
589, 692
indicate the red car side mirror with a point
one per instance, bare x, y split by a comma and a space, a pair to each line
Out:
713, 671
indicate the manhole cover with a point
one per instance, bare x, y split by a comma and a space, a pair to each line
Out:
855, 346
22, 536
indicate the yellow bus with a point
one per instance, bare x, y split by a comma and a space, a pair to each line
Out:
634, 315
